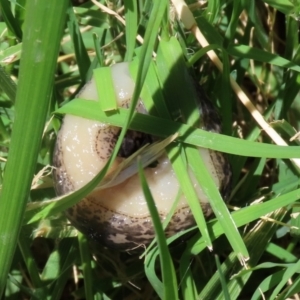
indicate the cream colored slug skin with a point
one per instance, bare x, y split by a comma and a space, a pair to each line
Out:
118, 216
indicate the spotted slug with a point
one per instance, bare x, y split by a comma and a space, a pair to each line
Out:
118, 216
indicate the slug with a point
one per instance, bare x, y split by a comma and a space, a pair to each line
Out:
118, 216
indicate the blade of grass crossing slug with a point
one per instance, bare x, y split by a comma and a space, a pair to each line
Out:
155, 19
36, 211
181, 171
105, 88
34, 90
189, 135
217, 203
166, 221
167, 267
131, 18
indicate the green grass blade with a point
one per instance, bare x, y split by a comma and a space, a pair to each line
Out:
287, 275
187, 187
222, 214
167, 267
41, 210
281, 253
86, 265
256, 240
38, 63
131, 18
107, 96
284, 6
193, 136
291, 290
249, 214
80, 50
150, 271
263, 56
30, 262
222, 279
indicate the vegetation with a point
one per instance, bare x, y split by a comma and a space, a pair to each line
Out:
49, 50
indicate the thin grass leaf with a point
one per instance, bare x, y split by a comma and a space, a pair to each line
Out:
173, 74
208, 185
107, 95
155, 19
287, 275
256, 241
291, 290
165, 223
193, 136
86, 265
60, 266
281, 253
98, 43
284, 6
128, 167
249, 214
31, 265
37, 211
150, 271
167, 267
34, 89
151, 93
200, 53
263, 56
222, 279
181, 170
80, 50
267, 284
233, 23
131, 18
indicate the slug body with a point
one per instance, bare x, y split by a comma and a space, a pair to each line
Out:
118, 216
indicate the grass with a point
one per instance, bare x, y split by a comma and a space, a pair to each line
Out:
249, 251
